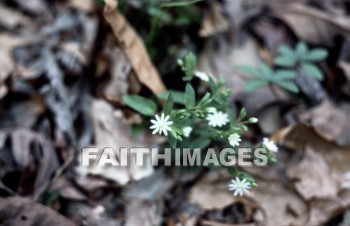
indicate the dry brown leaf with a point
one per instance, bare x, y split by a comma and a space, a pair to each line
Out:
314, 177
83, 5
34, 156
11, 18
298, 136
213, 20
114, 132
142, 213
214, 223
331, 121
311, 24
120, 71
212, 192
322, 210
19, 211
322, 174
7, 65
280, 205
133, 47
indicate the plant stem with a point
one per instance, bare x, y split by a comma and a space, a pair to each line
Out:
274, 93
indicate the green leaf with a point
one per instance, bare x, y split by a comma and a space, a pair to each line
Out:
212, 85
254, 84
160, 13
140, 104
317, 54
284, 74
188, 66
249, 70
169, 104
287, 85
285, 61
286, 50
172, 140
312, 70
242, 114
179, 3
301, 49
179, 97
190, 96
265, 70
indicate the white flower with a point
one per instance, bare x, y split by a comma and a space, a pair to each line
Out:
187, 131
234, 139
161, 124
202, 75
253, 120
269, 145
217, 119
239, 186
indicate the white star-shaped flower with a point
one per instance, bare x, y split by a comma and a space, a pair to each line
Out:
161, 124
187, 131
234, 139
202, 75
217, 119
269, 145
239, 186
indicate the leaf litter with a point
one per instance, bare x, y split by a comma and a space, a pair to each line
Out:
65, 67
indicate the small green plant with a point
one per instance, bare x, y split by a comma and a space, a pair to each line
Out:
291, 61
196, 121
160, 15
188, 66
301, 57
264, 76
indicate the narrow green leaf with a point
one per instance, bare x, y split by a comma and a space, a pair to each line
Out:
312, 70
169, 104
301, 49
160, 13
286, 50
265, 70
179, 3
190, 96
316, 55
284, 74
249, 70
140, 104
179, 97
290, 86
172, 140
254, 84
285, 61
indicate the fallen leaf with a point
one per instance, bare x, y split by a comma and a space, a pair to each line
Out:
143, 213
36, 160
213, 20
212, 192
19, 211
313, 177
321, 174
114, 132
7, 65
133, 47
11, 18
280, 205
311, 24
330, 120
118, 85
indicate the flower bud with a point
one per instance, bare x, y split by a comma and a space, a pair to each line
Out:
253, 120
